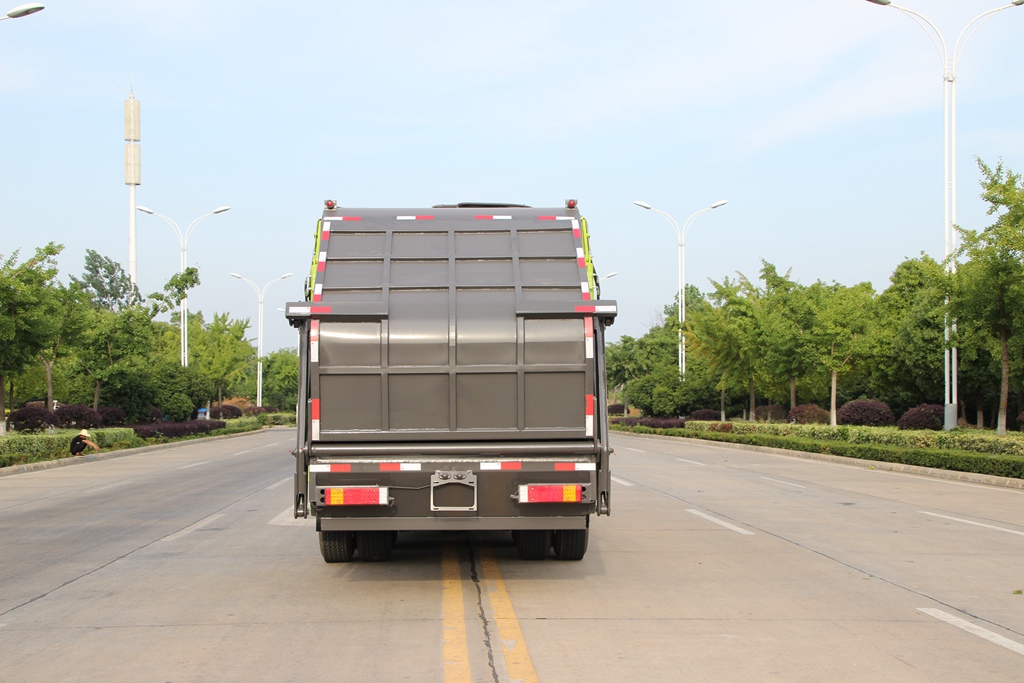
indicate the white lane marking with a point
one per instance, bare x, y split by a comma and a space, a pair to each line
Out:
721, 522
967, 521
189, 529
787, 483
287, 518
974, 629
115, 485
635, 450
693, 462
195, 464
280, 483
248, 450
621, 481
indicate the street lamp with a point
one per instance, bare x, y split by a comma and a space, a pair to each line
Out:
183, 243
681, 236
23, 11
949, 62
259, 331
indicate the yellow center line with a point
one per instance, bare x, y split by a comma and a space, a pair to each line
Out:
454, 648
513, 645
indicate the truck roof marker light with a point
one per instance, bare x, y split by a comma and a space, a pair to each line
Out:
570, 203
330, 204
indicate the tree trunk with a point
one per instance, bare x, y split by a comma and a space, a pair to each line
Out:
792, 392
981, 414
96, 396
723, 404
832, 409
753, 406
3, 407
1004, 382
49, 383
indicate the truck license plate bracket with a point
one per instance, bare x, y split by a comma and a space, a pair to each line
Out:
453, 491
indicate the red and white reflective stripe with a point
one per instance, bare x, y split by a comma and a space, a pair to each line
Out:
588, 335
590, 414
348, 218
581, 260
555, 218
501, 465
585, 288
575, 467
314, 341
595, 309
493, 218
330, 467
415, 218
314, 413
318, 290
400, 467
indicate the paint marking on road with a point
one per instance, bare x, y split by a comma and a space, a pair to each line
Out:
513, 645
720, 522
115, 485
288, 518
189, 529
195, 464
455, 650
974, 629
967, 521
787, 483
621, 481
248, 450
693, 462
280, 483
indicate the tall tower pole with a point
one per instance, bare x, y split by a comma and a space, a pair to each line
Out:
132, 173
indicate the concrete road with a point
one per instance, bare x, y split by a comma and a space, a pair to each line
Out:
717, 564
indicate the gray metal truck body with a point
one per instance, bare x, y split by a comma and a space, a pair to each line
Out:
452, 378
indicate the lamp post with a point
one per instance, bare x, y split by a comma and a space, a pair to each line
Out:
949, 63
23, 11
183, 244
260, 294
681, 236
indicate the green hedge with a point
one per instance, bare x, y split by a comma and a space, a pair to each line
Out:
857, 446
958, 439
16, 449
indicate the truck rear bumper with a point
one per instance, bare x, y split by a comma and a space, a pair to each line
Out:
449, 523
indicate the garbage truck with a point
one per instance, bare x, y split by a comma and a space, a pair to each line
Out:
452, 378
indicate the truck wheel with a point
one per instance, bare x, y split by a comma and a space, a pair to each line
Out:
375, 546
571, 544
533, 545
337, 546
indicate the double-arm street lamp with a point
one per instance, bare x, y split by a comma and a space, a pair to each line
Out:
949, 64
260, 294
183, 244
23, 11
681, 236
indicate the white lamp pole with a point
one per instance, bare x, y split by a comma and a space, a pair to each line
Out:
260, 294
183, 245
949, 64
681, 237
23, 11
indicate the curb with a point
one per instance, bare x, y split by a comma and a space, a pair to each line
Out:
94, 457
950, 475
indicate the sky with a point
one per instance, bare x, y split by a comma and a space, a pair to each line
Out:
819, 122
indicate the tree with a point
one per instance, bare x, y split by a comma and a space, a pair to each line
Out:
70, 315
842, 322
27, 304
221, 351
281, 379
106, 283
116, 350
988, 291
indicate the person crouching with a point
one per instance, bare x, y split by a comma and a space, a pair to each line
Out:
80, 441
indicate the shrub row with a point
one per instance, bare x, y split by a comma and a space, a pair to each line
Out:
177, 430
997, 464
21, 448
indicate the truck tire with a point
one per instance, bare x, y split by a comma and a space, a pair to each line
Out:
533, 545
571, 544
375, 546
337, 546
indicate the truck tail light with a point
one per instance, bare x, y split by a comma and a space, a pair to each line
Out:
354, 495
550, 493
